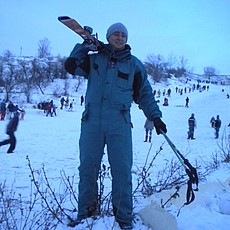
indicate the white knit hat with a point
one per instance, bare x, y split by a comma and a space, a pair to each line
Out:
117, 27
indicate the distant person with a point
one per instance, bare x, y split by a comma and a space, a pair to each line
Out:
212, 122
3, 109
166, 102
10, 109
82, 99
217, 126
186, 102
191, 126
67, 102
62, 101
10, 129
169, 92
148, 130
22, 114
71, 105
51, 109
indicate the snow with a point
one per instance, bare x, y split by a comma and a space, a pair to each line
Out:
52, 143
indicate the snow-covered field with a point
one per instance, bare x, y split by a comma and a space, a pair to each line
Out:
53, 142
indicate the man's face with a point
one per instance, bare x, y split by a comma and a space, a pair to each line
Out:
117, 40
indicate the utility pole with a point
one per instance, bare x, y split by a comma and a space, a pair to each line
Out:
20, 51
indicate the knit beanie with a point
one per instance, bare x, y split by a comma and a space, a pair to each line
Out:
117, 27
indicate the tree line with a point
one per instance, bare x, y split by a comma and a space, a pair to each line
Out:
161, 69
23, 74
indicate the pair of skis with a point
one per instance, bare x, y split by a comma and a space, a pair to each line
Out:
85, 32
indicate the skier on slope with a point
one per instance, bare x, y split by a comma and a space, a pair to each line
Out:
115, 79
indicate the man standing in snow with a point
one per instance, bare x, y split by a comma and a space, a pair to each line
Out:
115, 79
191, 126
10, 129
217, 126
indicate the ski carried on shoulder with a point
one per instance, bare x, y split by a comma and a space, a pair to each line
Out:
85, 32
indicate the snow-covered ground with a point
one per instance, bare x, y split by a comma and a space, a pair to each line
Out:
53, 142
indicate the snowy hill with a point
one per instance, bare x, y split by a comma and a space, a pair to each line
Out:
52, 142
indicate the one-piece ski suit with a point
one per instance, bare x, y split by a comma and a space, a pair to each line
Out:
115, 80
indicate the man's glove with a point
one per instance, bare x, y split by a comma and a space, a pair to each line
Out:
159, 126
90, 45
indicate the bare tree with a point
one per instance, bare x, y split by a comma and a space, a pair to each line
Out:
38, 73
9, 73
1, 72
61, 72
44, 48
183, 63
27, 78
155, 66
209, 71
172, 61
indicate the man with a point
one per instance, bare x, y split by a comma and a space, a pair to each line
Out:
191, 126
10, 129
217, 126
115, 79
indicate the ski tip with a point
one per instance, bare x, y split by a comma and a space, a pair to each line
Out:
61, 18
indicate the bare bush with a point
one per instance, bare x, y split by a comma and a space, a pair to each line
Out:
224, 147
50, 204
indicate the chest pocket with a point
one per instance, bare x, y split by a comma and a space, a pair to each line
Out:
122, 79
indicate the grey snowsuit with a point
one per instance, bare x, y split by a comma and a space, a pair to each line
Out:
115, 79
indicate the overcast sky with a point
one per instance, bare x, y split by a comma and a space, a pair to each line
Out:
198, 30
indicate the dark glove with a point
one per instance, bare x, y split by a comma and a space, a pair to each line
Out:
90, 45
159, 126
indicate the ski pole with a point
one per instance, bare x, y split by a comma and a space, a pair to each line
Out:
189, 169
175, 150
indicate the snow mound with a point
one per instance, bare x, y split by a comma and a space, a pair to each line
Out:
157, 218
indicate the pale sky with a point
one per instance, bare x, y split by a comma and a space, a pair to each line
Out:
198, 30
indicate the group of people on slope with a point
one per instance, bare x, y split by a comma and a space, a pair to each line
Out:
192, 124
69, 104
7, 110
215, 123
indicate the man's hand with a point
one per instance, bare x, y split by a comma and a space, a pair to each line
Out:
90, 45
159, 126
